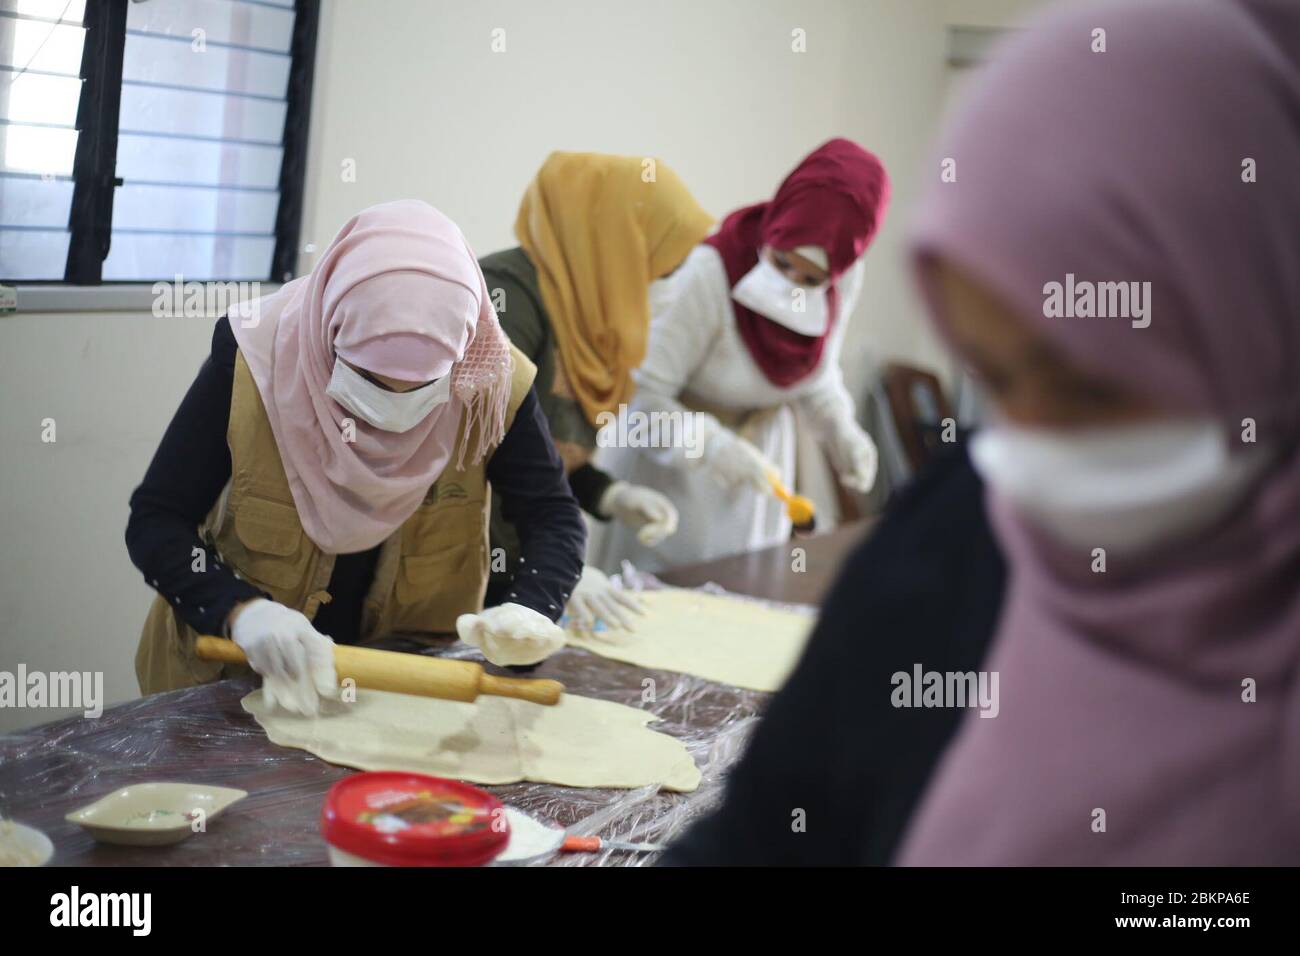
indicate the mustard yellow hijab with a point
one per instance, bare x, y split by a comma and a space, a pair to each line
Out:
600, 229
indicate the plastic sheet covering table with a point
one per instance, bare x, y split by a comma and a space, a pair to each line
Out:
202, 735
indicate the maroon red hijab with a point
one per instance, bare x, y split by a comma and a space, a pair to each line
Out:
834, 199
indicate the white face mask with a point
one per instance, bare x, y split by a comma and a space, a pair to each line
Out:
765, 290
1126, 488
390, 411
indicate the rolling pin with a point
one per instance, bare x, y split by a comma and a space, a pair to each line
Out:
407, 673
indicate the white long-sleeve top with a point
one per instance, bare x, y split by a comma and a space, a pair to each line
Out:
695, 351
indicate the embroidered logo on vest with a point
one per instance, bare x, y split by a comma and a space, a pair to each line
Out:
451, 489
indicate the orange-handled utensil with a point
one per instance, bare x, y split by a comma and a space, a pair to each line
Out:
594, 844
800, 509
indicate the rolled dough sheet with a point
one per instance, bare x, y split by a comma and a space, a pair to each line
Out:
579, 742
721, 639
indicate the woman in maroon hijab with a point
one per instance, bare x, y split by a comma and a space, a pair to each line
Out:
750, 326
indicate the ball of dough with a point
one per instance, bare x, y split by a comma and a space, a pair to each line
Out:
511, 634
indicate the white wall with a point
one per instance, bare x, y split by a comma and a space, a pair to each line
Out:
411, 91
711, 88
70, 599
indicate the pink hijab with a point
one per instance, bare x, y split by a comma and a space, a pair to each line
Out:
1123, 692
398, 293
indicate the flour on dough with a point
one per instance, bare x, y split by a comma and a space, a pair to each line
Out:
721, 639
579, 742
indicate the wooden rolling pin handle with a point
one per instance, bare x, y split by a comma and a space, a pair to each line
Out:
545, 692
219, 649
407, 673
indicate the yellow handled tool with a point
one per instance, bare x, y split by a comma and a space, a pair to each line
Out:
408, 673
799, 508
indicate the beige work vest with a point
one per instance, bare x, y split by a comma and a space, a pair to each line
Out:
430, 570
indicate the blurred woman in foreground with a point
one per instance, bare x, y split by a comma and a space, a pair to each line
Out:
1144, 476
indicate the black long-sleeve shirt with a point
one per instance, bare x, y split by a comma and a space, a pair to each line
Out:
192, 466
517, 292
925, 588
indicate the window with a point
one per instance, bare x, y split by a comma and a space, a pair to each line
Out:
40, 86
151, 139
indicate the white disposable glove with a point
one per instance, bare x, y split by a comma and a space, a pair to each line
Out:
853, 455
296, 661
734, 462
511, 634
646, 511
596, 598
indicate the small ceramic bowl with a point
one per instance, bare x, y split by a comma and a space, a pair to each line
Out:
21, 845
153, 814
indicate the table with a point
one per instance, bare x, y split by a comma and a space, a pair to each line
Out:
767, 573
202, 735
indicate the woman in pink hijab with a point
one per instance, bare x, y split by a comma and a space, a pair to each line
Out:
1118, 258
335, 454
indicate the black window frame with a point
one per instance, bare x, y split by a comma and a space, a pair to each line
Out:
90, 216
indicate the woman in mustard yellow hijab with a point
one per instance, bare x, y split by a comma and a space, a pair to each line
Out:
594, 232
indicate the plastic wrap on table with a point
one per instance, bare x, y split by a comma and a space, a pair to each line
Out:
202, 735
